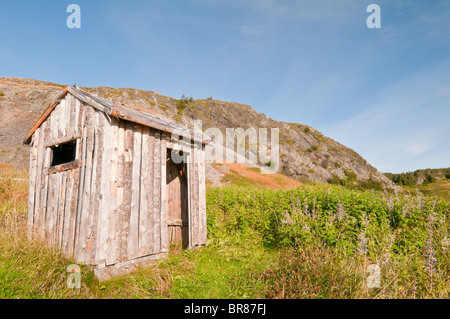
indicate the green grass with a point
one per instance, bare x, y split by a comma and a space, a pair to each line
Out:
316, 241
440, 189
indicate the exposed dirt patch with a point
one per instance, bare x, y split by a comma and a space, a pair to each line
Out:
252, 173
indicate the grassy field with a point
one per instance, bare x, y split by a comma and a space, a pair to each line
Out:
431, 182
440, 189
313, 241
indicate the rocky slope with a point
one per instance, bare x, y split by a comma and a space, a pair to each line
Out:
305, 153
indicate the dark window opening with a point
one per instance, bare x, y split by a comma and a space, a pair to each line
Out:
64, 153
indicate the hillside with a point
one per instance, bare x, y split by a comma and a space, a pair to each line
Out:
305, 153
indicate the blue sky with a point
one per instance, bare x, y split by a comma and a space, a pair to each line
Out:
383, 92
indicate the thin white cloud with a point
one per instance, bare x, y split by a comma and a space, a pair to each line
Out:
406, 127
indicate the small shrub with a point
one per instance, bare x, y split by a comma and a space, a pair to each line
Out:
2, 94
335, 180
183, 103
351, 176
370, 184
312, 148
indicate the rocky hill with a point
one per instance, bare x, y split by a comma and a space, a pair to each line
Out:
305, 153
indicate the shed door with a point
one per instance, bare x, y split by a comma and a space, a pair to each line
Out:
177, 202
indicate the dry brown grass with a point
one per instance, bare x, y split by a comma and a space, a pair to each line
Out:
28, 268
253, 176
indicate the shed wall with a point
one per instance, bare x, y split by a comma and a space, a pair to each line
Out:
111, 206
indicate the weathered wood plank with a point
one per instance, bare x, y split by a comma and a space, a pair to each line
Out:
62, 118
202, 197
60, 216
79, 182
62, 140
158, 123
157, 193
68, 125
50, 125
120, 218
55, 117
194, 212
113, 216
75, 177
189, 196
66, 239
95, 190
163, 190
104, 192
83, 195
143, 247
90, 101
150, 236
41, 183
133, 238
74, 115
32, 191
88, 216
81, 118
47, 202
127, 181
51, 208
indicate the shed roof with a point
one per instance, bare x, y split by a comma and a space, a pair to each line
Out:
136, 115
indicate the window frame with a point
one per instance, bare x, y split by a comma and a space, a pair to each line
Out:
64, 166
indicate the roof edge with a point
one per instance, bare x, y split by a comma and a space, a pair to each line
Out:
120, 111
46, 113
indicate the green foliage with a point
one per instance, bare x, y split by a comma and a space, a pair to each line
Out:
351, 176
316, 241
430, 179
2, 94
335, 180
312, 148
306, 130
290, 217
324, 273
183, 103
370, 184
327, 236
412, 178
439, 189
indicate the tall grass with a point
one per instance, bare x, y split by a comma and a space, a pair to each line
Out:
28, 268
330, 235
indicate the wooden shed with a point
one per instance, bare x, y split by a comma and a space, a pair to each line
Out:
107, 185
